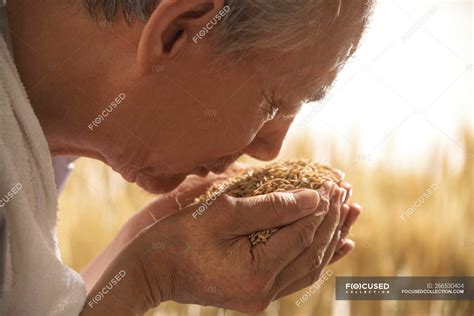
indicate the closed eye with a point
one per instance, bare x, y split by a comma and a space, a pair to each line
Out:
272, 113
318, 96
271, 107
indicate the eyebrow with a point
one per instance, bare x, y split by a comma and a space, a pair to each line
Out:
318, 95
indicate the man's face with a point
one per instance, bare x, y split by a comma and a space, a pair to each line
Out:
190, 116
206, 118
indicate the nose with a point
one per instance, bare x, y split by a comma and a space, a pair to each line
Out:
267, 144
262, 151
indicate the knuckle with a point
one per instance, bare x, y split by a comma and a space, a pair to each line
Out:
315, 258
305, 238
324, 204
287, 198
306, 232
275, 205
332, 189
281, 200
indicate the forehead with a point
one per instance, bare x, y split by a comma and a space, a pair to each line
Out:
306, 72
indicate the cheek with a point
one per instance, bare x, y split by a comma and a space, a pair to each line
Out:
223, 132
205, 124
241, 127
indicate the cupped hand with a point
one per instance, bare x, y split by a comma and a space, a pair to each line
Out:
349, 215
209, 260
195, 186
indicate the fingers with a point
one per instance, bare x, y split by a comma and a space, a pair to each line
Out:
272, 210
348, 187
331, 222
344, 212
290, 241
340, 175
354, 211
311, 276
325, 242
347, 246
344, 246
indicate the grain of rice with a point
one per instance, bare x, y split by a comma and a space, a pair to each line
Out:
276, 177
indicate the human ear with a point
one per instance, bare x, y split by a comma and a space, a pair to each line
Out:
171, 26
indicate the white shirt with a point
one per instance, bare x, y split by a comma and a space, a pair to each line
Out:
33, 279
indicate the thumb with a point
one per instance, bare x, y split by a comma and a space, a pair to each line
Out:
276, 209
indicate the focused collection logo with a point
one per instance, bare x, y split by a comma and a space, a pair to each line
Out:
404, 288
367, 288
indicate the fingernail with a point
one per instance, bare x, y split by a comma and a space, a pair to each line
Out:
341, 174
345, 208
306, 199
322, 209
344, 212
336, 196
343, 195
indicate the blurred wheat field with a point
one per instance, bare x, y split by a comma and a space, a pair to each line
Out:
437, 239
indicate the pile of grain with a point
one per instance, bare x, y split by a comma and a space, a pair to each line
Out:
276, 177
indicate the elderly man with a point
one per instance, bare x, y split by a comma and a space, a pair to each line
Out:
166, 92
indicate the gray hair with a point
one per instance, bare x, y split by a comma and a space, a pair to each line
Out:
260, 24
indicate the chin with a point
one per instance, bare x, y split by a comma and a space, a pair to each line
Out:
159, 184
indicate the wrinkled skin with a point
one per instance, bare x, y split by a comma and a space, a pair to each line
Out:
199, 258
193, 264
184, 115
